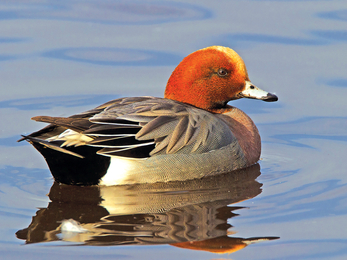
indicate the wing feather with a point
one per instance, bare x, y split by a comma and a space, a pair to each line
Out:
150, 125
76, 124
177, 138
158, 127
175, 127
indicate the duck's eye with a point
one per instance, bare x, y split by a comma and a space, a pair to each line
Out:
222, 72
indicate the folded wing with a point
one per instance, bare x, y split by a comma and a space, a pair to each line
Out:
137, 127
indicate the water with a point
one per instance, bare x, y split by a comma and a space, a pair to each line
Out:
60, 58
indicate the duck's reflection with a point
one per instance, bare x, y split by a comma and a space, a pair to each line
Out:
192, 214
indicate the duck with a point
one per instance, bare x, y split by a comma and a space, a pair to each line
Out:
190, 133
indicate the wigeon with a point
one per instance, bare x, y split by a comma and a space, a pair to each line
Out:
190, 133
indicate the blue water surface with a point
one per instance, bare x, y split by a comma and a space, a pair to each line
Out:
60, 58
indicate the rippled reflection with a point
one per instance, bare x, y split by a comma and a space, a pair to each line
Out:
6, 57
336, 15
115, 56
50, 102
339, 82
192, 214
312, 128
107, 11
242, 38
332, 35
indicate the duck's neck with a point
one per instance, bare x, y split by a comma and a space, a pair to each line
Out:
245, 132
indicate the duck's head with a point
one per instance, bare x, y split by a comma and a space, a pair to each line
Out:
209, 78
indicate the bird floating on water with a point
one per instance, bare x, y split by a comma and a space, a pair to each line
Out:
190, 133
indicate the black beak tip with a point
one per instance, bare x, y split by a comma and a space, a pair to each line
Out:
270, 98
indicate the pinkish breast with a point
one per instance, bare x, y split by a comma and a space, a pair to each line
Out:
245, 132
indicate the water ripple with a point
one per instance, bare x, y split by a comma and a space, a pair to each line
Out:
234, 39
11, 40
115, 56
109, 12
339, 82
334, 15
293, 139
54, 101
332, 35
296, 209
6, 57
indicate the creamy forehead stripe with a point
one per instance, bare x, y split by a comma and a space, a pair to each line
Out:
232, 55
229, 52
225, 50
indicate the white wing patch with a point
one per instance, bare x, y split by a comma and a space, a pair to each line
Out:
71, 138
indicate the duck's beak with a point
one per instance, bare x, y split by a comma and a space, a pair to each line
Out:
252, 91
